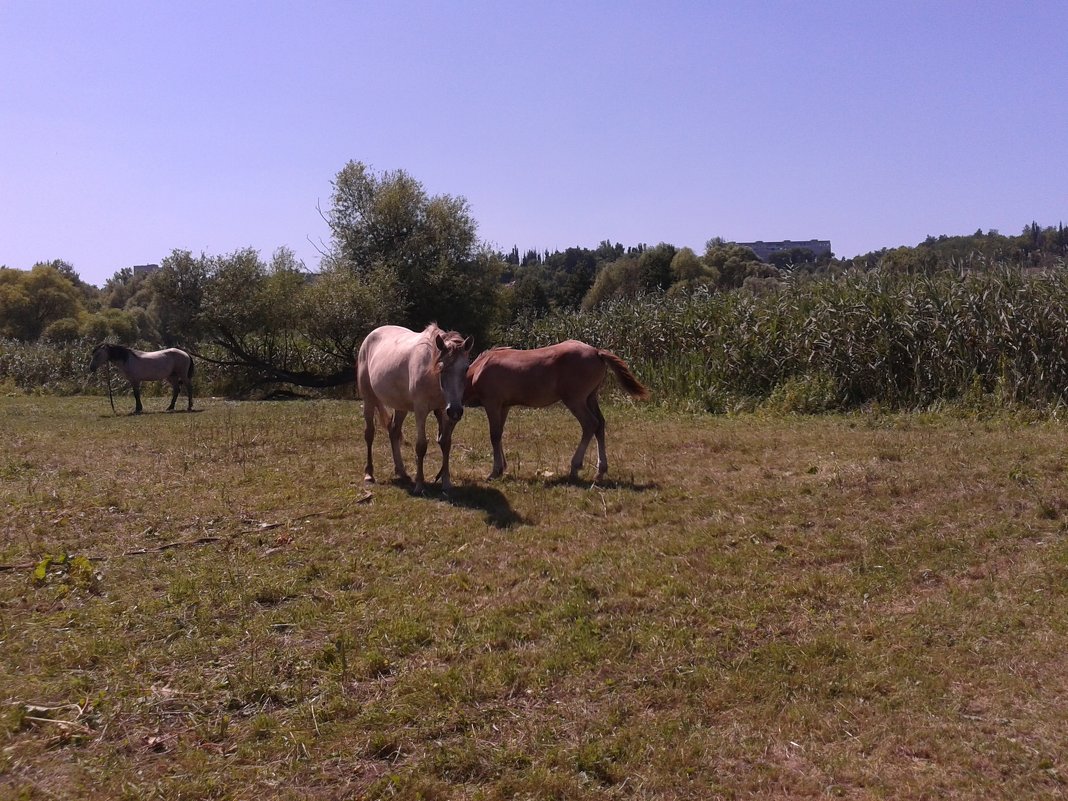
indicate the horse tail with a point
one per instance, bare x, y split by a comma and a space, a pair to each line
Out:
631, 385
189, 376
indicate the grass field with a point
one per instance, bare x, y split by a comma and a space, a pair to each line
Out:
213, 605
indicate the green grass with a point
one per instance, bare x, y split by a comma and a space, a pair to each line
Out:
213, 605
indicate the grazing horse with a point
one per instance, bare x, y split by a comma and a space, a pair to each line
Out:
570, 371
400, 371
172, 365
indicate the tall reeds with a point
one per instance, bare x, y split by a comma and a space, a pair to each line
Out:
817, 344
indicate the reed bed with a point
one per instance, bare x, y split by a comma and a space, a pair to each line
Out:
902, 342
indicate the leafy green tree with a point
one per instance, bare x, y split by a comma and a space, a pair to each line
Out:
654, 266
339, 308
529, 298
621, 278
689, 273
65, 330
133, 294
732, 263
685, 266
32, 300
177, 295
909, 261
112, 325
386, 224
257, 318
15, 307
126, 289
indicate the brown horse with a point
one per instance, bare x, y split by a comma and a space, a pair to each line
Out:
171, 365
570, 371
400, 371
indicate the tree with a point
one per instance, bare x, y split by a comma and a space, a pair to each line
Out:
31, 301
386, 224
732, 263
397, 255
259, 318
110, 324
909, 261
528, 297
685, 266
689, 272
654, 266
620, 278
178, 290
339, 309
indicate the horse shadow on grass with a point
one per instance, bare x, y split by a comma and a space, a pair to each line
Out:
566, 481
489, 500
495, 504
146, 413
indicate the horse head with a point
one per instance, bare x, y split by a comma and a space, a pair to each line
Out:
453, 359
100, 355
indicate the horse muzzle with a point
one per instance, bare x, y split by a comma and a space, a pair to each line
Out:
455, 411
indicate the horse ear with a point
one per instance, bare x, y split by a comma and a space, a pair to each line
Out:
440, 342
469, 343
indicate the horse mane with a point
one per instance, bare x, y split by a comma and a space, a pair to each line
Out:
485, 354
116, 353
450, 337
453, 339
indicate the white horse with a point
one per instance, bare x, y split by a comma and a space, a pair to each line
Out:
172, 365
400, 371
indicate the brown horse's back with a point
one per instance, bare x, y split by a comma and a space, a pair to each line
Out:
537, 377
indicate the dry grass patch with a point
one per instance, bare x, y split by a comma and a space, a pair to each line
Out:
212, 605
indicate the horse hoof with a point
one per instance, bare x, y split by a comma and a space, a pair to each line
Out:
368, 479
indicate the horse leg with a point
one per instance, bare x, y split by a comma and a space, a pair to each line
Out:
445, 427
176, 385
396, 437
189, 393
440, 415
602, 454
420, 451
497, 415
588, 421
368, 437
136, 385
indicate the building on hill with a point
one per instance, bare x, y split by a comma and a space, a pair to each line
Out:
764, 250
144, 269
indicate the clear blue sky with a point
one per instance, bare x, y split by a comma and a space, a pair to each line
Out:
130, 129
